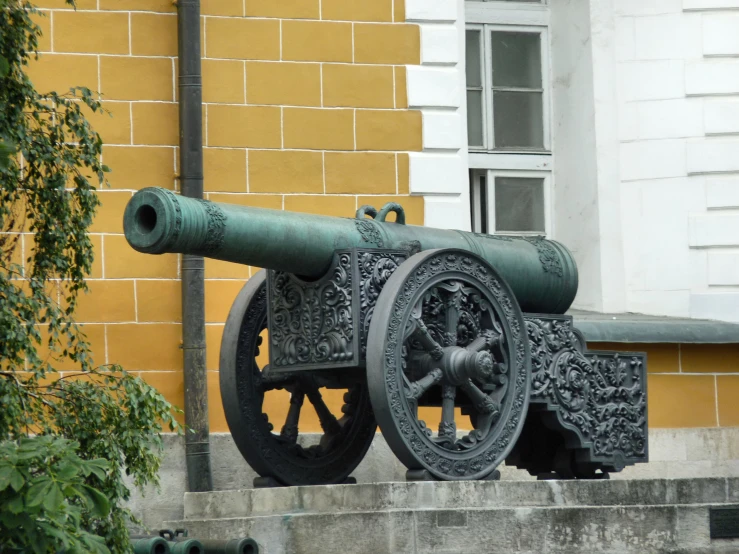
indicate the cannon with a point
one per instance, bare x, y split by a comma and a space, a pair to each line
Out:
412, 325
147, 544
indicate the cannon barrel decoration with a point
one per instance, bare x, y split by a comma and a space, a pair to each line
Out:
408, 322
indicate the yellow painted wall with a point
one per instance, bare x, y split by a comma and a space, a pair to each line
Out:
305, 110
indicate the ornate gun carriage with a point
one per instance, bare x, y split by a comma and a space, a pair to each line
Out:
404, 319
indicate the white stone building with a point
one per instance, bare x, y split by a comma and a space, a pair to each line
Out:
631, 154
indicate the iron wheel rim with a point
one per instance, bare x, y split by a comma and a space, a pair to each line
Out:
388, 367
242, 390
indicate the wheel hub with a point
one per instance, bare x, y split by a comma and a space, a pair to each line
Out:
460, 365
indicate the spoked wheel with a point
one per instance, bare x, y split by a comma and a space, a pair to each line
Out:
275, 448
448, 331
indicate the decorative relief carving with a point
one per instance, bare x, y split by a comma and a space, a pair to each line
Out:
327, 321
312, 322
369, 232
548, 256
375, 268
177, 228
504, 238
550, 260
601, 397
216, 228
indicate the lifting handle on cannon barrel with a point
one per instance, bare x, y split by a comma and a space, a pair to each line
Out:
368, 210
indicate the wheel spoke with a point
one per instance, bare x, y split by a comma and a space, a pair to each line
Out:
290, 430
487, 340
453, 305
481, 402
448, 427
416, 389
423, 335
328, 421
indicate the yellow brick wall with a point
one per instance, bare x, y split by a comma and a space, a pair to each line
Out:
689, 385
305, 110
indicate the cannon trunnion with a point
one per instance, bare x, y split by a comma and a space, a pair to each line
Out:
402, 325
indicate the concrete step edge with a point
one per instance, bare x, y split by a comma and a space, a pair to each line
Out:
359, 513
412, 496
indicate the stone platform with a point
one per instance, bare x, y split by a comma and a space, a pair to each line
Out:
541, 517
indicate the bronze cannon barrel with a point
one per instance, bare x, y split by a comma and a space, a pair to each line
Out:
542, 273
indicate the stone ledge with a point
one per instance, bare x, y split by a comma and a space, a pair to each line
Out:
640, 328
525, 530
676, 453
458, 495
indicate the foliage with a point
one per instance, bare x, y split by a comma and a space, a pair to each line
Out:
43, 486
50, 164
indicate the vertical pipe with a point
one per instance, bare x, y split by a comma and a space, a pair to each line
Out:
197, 443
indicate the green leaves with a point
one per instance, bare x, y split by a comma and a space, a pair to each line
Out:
66, 442
16, 480
7, 149
4, 66
5, 472
98, 504
45, 510
38, 492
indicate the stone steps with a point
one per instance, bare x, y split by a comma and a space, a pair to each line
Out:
573, 517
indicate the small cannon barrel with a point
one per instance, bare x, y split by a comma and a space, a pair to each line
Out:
230, 546
542, 273
144, 544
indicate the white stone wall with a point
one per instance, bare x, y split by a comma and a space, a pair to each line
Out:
645, 126
678, 115
437, 87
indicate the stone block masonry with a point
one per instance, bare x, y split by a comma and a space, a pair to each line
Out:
305, 109
678, 74
674, 454
572, 517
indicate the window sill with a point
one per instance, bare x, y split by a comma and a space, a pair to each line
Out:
508, 161
506, 13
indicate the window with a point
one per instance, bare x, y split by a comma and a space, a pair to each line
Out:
514, 202
508, 115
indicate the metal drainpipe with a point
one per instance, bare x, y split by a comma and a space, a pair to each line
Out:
197, 442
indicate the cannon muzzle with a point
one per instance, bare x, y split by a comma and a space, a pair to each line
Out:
230, 546
542, 273
149, 545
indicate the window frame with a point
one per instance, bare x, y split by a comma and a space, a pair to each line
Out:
488, 16
488, 131
476, 194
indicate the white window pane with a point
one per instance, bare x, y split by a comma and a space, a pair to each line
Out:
473, 59
474, 117
518, 119
516, 60
519, 204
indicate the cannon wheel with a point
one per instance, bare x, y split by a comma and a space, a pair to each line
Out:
279, 454
448, 330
